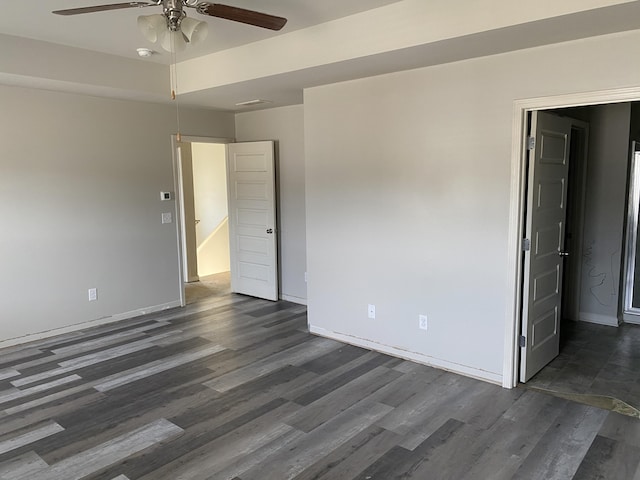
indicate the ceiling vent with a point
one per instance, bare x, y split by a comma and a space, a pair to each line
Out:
251, 103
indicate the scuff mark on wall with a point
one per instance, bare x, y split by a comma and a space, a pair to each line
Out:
602, 285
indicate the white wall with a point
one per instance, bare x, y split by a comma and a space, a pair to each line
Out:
81, 181
408, 191
605, 213
285, 126
211, 209
209, 186
213, 255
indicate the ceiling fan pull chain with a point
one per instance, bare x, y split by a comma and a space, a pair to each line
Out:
174, 89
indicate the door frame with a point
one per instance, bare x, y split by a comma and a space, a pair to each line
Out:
179, 201
517, 203
630, 314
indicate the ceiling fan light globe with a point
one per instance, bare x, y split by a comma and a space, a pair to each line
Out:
173, 41
151, 26
195, 31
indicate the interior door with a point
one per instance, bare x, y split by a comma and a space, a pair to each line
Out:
252, 219
545, 232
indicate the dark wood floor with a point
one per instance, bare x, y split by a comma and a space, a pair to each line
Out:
235, 388
596, 360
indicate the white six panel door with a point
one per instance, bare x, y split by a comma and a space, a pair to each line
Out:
252, 219
545, 227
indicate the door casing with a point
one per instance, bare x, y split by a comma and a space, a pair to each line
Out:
179, 201
521, 109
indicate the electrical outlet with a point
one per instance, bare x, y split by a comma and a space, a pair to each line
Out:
305, 277
167, 218
93, 294
372, 311
423, 322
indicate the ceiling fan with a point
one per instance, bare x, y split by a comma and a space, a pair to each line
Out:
173, 29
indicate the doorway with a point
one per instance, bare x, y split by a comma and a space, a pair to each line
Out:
595, 354
202, 196
204, 168
245, 227
522, 108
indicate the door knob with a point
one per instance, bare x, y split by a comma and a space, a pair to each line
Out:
563, 254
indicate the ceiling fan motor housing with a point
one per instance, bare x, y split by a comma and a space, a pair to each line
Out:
174, 13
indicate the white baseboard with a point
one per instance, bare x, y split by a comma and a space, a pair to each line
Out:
599, 319
292, 299
413, 356
631, 318
91, 323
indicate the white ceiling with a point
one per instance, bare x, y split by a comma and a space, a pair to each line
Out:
115, 32
380, 36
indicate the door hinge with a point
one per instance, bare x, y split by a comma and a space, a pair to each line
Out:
522, 341
531, 143
526, 244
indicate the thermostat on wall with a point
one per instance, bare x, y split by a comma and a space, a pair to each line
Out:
165, 196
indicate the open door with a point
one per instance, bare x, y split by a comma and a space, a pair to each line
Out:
252, 219
544, 242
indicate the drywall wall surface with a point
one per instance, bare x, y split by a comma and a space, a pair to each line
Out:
286, 126
604, 214
210, 187
81, 179
403, 25
408, 197
33, 63
211, 209
213, 254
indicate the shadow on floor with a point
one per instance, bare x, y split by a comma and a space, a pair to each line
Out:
598, 365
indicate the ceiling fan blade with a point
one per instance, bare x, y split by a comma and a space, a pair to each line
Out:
242, 15
102, 8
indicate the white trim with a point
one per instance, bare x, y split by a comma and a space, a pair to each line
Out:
197, 139
407, 355
180, 217
91, 323
629, 317
179, 213
516, 212
599, 319
292, 299
633, 205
